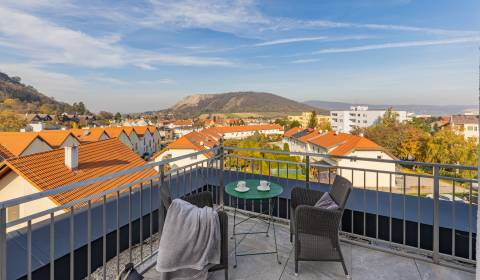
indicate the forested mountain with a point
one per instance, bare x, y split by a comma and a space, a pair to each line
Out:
20, 98
238, 102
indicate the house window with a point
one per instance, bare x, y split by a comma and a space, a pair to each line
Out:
379, 157
13, 213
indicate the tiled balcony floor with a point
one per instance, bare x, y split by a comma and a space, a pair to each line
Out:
361, 262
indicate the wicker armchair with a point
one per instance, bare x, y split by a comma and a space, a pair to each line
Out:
205, 199
316, 229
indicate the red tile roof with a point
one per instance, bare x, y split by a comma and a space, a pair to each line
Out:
17, 142
5, 153
292, 131
343, 143
55, 138
183, 122
47, 170
141, 130
114, 132
86, 135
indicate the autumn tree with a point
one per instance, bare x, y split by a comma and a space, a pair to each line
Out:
9, 121
324, 125
447, 147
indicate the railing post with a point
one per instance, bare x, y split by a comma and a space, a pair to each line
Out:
161, 208
307, 172
222, 170
3, 243
436, 213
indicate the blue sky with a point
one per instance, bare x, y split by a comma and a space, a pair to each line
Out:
133, 56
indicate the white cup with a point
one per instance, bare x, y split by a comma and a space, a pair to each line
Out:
241, 185
264, 184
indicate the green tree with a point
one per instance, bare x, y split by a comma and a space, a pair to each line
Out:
312, 121
118, 117
9, 121
104, 115
294, 123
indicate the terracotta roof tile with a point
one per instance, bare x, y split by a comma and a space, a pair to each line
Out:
343, 143
239, 128
114, 132
5, 153
183, 122
88, 134
17, 142
292, 131
152, 129
47, 170
141, 130
55, 138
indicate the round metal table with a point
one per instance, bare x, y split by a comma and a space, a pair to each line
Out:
262, 196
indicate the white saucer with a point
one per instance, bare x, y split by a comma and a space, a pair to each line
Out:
246, 189
262, 189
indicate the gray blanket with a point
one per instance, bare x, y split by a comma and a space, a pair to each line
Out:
190, 242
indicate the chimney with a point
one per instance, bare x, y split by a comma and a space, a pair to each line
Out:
71, 157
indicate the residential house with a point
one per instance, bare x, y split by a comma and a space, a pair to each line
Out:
193, 142
120, 134
36, 118
336, 149
466, 125
21, 144
48, 170
87, 135
134, 139
157, 138
59, 138
244, 131
208, 138
146, 140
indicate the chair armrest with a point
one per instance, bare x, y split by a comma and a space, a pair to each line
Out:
201, 199
317, 221
302, 196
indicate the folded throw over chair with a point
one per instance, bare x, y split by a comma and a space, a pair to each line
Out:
315, 229
203, 199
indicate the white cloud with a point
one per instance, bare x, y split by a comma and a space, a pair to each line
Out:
62, 86
48, 43
325, 24
401, 45
308, 60
308, 39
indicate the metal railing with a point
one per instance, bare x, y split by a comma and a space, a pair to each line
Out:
417, 214
406, 216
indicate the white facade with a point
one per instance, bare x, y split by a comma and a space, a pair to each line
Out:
245, 134
181, 131
368, 179
470, 130
359, 116
173, 153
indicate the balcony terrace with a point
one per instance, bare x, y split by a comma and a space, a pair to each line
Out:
395, 230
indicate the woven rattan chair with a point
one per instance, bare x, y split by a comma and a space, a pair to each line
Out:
314, 229
200, 200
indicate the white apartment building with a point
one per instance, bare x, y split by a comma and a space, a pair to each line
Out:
359, 116
466, 125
